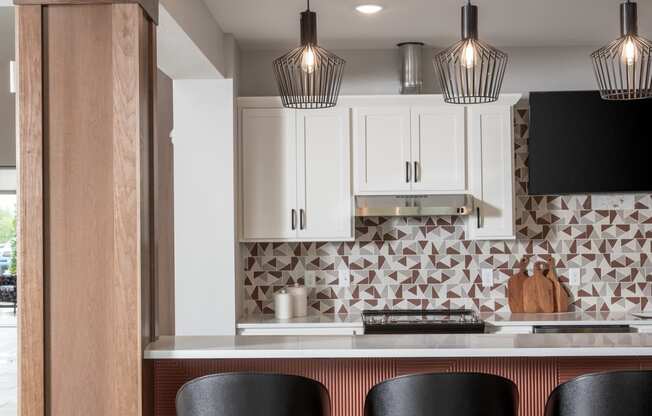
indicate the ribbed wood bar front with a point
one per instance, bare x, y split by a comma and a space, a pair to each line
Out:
349, 380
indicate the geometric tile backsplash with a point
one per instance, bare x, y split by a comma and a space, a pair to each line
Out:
427, 262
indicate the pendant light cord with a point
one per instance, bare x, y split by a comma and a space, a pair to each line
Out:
308, 1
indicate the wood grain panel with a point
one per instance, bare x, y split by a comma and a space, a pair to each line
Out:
131, 144
31, 293
99, 268
85, 136
150, 6
79, 168
164, 207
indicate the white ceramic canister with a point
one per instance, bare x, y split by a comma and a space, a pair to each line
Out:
283, 304
299, 300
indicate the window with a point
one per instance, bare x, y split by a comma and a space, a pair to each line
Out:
8, 279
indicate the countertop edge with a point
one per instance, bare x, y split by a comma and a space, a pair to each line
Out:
407, 353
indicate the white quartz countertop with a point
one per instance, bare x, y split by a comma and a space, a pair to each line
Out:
401, 346
495, 319
310, 321
568, 318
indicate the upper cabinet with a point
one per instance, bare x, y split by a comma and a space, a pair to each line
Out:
491, 172
382, 150
438, 149
295, 175
325, 205
298, 167
269, 174
409, 150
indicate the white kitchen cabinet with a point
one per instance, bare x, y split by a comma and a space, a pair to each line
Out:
438, 149
491, 172
382, 150
296, 167
325, 206
269, 174
296, 181
410, 150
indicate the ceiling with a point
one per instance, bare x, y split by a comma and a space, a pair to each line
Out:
274, 24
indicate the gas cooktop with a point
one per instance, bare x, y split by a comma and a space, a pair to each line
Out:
459, 321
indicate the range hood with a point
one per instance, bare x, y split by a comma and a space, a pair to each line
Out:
412, 205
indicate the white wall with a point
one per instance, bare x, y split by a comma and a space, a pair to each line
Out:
7, 100
232, 56
179, 56
204, 207
378, 71
366, 72
197, 22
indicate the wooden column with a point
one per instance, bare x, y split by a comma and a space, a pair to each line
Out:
86, 89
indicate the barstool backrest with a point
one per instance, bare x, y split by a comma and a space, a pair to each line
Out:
246, 394
445, 394
622, 393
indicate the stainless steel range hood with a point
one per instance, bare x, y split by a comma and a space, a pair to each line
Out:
413, 205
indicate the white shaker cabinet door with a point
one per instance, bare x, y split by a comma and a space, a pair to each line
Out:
491, 171
382, 151
269, 174
439, 149
325, 206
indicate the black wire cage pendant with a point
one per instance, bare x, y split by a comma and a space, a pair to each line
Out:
623, 68
309, 77
471, 71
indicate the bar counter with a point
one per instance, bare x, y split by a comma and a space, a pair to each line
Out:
402, 346
349, 365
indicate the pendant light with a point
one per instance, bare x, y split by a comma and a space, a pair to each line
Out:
309, 77
471, 71
623, 68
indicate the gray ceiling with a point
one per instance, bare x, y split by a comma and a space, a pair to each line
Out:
273, 24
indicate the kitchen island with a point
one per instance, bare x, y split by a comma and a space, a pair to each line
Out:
350, 365
402, 346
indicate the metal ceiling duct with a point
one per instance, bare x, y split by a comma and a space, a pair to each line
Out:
411, 72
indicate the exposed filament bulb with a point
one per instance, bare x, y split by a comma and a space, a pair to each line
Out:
629, 52
468, 58
308, 60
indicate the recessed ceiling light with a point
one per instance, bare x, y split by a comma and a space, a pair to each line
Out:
369, 8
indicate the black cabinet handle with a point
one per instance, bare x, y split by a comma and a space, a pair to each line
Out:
293, 219
477, 210
416, 172
408, 172
302, 221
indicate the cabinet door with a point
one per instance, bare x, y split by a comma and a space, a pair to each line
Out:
382, 150
325, 206
438, 149
269, 164
491, 170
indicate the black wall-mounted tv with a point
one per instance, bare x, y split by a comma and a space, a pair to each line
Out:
580, 143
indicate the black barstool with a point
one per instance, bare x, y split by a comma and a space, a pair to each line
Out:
445, 394
621, 393
246, 394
